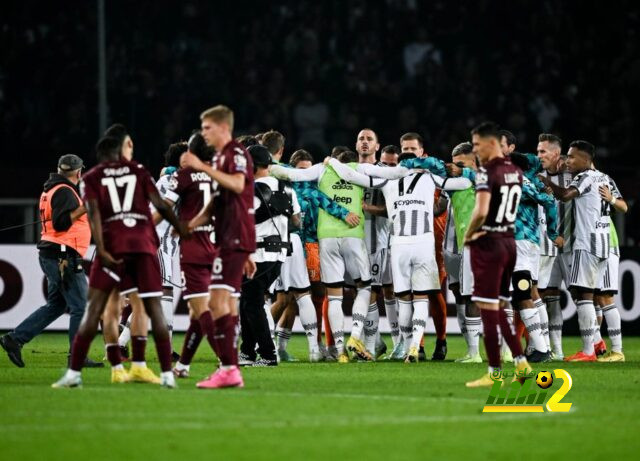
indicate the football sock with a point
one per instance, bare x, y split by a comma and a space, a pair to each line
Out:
586, 321
225, 329
531, 319
438, 309
474, 326
283, 335
125, 336
597, 337
419, 321
544, 321
490, 320
167, 311
614, 328
138, 346
460, 313
555, 323
371, 328
359, 311
272, 325
327, 324
508, 335
79, 351
163, 349
336, 322
317, 306
405, 314
391, 308
207, 327
504, 347
309, 320
113, 354
192, 339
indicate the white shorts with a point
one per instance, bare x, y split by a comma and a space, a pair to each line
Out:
545, 270
452, 264
466, 274
344, 255
587, 270
414, 268
293, 273
381, 268
528, 258
170, 269
609, 281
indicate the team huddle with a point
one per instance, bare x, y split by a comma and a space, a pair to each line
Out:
253, 243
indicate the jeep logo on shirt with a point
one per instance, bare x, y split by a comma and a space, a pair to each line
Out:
345, 200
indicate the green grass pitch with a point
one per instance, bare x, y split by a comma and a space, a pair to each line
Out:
325, 411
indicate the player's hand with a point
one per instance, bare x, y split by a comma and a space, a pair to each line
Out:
326, 160
559, 241
352, 219
108, 260
605, 193
453, 170
184, 231
473, 237
190, 160
249, 268
545, 180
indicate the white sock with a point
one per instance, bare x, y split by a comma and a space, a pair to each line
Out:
531, 319
117, 367
555, 323
139, 364
504, 347
125, 336
405, 314
586, 321
474, 326
72, 373
272, 324
460, 313
420, 314
283, 335
614, 326
336, 322
597, 337
360, 311
167, 311
544, 321
309, 320
167, 374
181, 366
371, 328
391, 307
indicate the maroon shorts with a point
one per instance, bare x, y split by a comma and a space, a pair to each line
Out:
138, 272
197, 278
226, 272
492, 263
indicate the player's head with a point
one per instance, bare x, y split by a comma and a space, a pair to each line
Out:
348, 156
258, 137
108, 149
70, 166
173, 153
389, 155
217, 125
261, 160
198, 146
301, 159
549, 149
119, 131
367, 145
247, 140
274, 141
485, 139
462, 155
581, 156
507, 142
412, 142
337, 150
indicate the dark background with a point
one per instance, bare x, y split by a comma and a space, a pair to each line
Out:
318, 71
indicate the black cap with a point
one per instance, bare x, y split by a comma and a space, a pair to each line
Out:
260, 155
70, 162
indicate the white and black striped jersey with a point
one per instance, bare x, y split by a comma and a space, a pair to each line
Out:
565, 218
168, 242
591, 214
450, 243
376, 228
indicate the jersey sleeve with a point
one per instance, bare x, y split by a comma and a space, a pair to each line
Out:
320, 199
551, 212
146, 181
383, 172
236, 162
88, 189
451, 183
297, 174
482, 180
614, 189
294, 201
581, 182
434, 165
355, 177
175, 187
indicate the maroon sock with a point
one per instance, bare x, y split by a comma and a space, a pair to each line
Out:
192, 340
138, 345
126, 312
225, 337
208, 329
79, 351
509, 334
490, 320
163, 348
113, 354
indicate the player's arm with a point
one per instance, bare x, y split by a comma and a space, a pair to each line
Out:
383, 172
203, 217
451, 183
432, 164
478, 216
355, 177
564, 194
157, 217
167, 213
234, 182
297, 174
95, 223
375, 210
612, 195
321, 200
440, 206
551, 212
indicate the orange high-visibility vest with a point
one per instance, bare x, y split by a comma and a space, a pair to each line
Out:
78, 236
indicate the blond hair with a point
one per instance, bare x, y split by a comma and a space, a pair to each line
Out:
219, 114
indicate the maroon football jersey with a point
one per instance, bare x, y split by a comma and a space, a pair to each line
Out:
191, 191
122, 190
233, 213
503, 180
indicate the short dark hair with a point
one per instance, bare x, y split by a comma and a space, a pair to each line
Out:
198, 146
300, 155
247, 140
463, 148
406, 155
584, 146
511, 138
273, 140
390, 149
487, 130
108, 148
117, 131
173, 153
337, 150
348, 156
550, 138
411, 136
